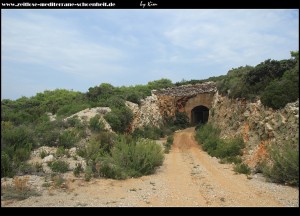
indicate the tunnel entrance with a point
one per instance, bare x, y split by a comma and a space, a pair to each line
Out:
199, 115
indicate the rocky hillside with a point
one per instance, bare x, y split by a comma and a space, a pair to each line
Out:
259, 126
147, 113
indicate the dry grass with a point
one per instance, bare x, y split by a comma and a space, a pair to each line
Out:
19, 189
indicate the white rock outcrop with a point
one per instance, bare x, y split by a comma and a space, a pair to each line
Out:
147, 113
87, 114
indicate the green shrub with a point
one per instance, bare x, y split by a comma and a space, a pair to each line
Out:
207, 131
94, 149
47, 133
67, 139
106, 140
134, 98
150, 132
6, 165
229, 150
22, 154
43, 154
169, 143
131, 159
119, 119
280, 92
75, 122
181, 120
69, 109
284, 166
229, 147
96, 124
60, 151
20, 136
59, 166
209, 137
81, 151
88, 173
242, 168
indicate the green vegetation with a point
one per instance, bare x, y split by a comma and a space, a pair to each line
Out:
276, 82
283, 164
228, 150
242, 168
131, 158
150, 132
96, 124
119, 119
59, 166
168, 144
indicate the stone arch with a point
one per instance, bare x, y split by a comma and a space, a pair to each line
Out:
204, 99
199, 114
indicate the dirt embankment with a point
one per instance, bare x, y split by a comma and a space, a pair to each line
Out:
188, 177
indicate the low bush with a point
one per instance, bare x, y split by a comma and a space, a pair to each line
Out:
284, 164
119, 118
59, 166
229, 148
96, 124
67, 139
242, 168
131, 159
150, 132
60, 152
43, 154
168, 144
181, 120
209, 137
19, 190
88, 173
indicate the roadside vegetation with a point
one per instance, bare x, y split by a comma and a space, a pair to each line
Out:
228, 150
282, 166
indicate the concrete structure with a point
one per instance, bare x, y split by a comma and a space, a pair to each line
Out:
194, 100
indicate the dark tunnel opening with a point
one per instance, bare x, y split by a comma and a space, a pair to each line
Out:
199, 115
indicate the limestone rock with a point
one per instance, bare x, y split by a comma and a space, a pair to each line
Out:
48, 159
87, 114
148, 113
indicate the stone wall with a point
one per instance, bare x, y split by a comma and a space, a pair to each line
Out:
185, 98
165, 103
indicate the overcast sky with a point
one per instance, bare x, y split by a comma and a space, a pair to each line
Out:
78, 49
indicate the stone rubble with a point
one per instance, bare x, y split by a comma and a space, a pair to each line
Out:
188, 90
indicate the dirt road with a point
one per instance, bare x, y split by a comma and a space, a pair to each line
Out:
188, 177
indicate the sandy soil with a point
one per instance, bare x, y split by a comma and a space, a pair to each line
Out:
188, 177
